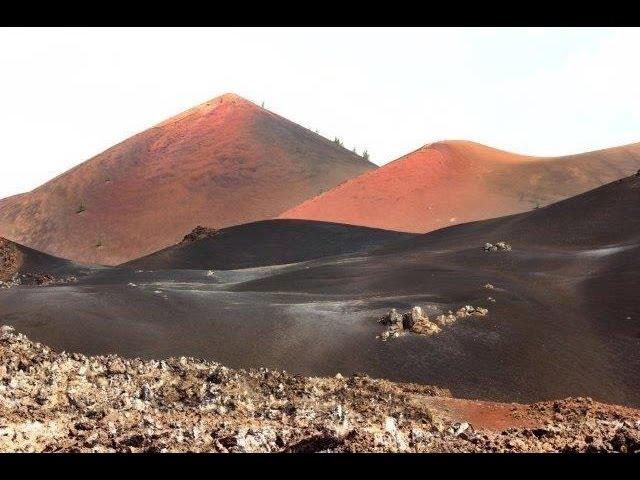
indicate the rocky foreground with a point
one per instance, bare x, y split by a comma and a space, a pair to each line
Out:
60, 402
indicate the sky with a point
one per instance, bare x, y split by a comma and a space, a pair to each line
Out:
69, 94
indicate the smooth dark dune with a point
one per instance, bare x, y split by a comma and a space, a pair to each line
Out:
566, 321
269, 242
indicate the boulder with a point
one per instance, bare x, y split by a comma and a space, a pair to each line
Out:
498, 247
425, 327
468, 311
409, 319
199, 233
6, 329
503, 246
391, 318
146, 393
464, 311
489, 247
446, 319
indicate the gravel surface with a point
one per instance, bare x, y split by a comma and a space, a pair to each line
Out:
55, 401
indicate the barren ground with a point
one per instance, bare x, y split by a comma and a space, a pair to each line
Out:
53, 402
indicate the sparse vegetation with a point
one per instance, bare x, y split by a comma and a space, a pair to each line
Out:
99, 244
81, 207
337, 141
365, 154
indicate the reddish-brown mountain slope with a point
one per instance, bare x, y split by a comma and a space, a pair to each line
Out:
221, 163
457, 181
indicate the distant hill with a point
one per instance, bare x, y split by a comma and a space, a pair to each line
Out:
453, 182
222, 163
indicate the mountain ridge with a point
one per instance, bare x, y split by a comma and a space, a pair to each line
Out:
221, 163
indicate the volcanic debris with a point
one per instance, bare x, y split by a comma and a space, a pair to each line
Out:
60, 402
36, 279
498, 247
199, 233
8, 259
416, 321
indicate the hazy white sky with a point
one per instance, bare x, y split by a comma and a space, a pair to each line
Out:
68, 94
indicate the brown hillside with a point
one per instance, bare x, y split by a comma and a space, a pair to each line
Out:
454, 182
221, 163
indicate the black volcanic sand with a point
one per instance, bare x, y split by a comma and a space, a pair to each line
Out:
268, 242
566, 321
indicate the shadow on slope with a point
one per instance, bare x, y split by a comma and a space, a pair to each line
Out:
269, 242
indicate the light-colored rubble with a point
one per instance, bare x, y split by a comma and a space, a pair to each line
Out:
60, 402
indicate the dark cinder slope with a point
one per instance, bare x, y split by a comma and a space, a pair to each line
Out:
222, 163
564, 319
15, 258
269, 242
